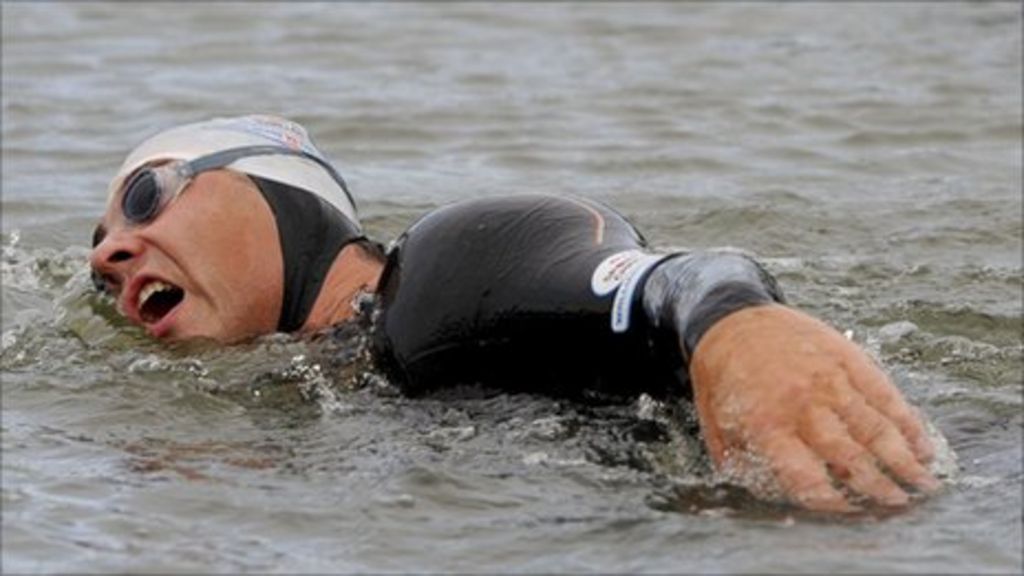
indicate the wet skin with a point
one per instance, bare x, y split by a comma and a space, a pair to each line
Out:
217, 242
780, 395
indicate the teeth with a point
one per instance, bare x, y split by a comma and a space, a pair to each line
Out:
152, 288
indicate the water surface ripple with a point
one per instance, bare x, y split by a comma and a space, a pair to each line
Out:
869, 153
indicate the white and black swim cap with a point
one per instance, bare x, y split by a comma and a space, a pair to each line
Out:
313, 209
192, 141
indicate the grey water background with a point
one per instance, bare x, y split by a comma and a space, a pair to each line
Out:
870, 154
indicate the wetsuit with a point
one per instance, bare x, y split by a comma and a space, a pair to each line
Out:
548, 294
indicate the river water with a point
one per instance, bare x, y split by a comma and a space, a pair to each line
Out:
870, 154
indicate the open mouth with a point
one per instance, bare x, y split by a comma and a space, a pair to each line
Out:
157, 299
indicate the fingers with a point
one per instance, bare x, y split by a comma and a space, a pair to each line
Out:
883, 396
709, 427
883, 440
801, 474
850, 462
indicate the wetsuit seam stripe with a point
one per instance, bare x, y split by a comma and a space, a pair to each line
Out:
598, 220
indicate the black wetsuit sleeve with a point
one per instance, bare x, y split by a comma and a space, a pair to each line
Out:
688, 293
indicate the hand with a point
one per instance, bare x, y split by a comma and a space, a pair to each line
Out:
783, 397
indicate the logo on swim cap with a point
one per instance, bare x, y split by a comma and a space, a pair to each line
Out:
274, 129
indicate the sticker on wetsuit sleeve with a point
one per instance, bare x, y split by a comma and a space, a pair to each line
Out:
621, 272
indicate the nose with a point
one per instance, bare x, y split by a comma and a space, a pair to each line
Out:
114, 257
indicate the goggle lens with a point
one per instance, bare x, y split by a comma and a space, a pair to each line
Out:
142, 197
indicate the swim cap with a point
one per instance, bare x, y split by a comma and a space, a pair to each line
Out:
191, 141
314, 212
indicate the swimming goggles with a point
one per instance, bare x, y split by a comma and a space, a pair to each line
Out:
150, 189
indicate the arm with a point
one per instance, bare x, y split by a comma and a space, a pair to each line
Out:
786, 404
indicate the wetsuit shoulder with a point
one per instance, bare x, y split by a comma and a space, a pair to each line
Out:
499, 291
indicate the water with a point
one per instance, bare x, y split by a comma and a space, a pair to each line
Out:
870, 154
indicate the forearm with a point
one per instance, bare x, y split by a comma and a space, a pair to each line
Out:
687, 294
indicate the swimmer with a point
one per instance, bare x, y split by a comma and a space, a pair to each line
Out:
236, 227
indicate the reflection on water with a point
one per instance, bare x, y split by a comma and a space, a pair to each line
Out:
870, 155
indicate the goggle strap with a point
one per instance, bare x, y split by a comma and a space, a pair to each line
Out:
231, 155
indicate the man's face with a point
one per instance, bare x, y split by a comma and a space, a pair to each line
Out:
209, 265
